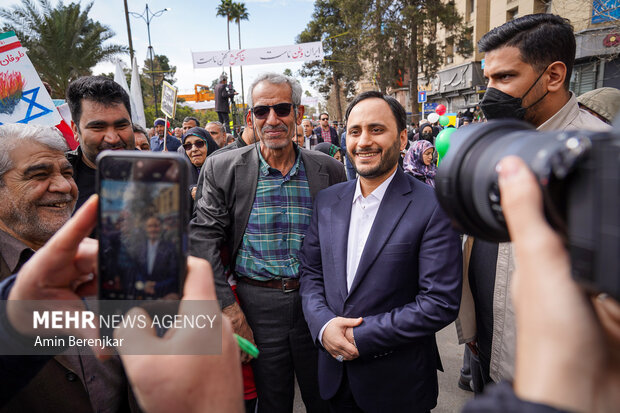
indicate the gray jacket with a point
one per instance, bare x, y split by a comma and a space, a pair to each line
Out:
222, 213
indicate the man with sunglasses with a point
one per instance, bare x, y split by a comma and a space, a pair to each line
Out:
257, 201
324, 132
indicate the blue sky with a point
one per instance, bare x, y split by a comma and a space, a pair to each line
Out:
191, 25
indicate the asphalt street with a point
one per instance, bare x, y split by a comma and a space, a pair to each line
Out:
451, 397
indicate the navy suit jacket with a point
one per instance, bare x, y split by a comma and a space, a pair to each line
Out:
407, 287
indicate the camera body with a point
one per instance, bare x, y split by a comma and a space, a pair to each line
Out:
579, 175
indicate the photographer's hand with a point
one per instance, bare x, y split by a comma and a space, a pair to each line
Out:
564, 355
167, 382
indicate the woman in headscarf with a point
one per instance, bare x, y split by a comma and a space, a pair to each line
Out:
329, 149
426, 132
419, 162
198, 144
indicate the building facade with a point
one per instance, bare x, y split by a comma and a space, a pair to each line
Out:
459, 84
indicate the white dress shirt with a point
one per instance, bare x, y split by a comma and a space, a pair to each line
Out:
363, 213
151, 254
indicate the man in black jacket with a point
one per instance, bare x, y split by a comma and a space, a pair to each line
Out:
101, 119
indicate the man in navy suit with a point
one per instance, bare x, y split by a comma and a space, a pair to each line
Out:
381, 273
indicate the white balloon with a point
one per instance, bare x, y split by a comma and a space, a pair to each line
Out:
433, 117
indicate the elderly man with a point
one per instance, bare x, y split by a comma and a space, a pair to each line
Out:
218, 133
38, 196
257, 201
101, 119
157, 141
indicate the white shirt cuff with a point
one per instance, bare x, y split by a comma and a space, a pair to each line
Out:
323, 329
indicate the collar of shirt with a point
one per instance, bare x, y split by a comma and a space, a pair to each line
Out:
572, 117
12, 249
378, 193
266, 169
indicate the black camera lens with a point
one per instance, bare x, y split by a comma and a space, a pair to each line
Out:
466, 183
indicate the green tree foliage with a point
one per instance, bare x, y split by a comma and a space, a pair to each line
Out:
337, 24
400, 36
63, 42
162, 70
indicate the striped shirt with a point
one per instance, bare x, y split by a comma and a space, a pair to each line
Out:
278, 222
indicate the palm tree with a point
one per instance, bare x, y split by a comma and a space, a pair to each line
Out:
226, 9
63, 43
240, 12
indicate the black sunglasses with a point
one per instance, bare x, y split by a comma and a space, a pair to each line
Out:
281, 109
198, 144
324, 118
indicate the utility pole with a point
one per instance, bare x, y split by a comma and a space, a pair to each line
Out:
128, 32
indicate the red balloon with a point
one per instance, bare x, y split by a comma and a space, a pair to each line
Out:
440, 110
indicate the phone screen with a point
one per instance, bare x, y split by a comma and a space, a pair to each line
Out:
143, 216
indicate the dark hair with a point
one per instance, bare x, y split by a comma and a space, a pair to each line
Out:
541, 39
188, 118
98, 89
139, 129
397, 109
324, 113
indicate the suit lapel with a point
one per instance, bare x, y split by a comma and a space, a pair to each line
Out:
317, 179
338, 228
246, 181
392, 208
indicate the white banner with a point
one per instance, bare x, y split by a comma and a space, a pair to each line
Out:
302, 52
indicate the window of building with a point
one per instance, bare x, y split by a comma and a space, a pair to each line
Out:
449, 50
512, 13
584, 77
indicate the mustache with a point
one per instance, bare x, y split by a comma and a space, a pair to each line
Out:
105, 145
57, 200
279, 128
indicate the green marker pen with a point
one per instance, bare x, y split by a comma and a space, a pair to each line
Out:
246, 346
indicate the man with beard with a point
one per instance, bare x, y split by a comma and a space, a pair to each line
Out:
380, 273
528, 62
257, 201
157, 142
101, 119
38, 196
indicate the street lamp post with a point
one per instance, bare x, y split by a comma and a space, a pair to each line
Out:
147, 16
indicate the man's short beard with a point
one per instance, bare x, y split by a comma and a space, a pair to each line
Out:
389, 158
270, 144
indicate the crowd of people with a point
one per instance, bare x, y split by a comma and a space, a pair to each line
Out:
325, 248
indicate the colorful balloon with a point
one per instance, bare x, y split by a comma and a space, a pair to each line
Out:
433, 117
440, 110
442, 142
444, 120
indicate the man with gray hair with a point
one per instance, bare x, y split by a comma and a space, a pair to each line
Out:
222, 94
257, 202
38, 196
218, 132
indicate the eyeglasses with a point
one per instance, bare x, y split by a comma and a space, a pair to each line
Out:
324, 118
281, 109
198, 144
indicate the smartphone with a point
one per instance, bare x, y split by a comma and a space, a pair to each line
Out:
142, 224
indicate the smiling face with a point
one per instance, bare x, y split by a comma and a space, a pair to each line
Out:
103, 127
373, 141
274, 132
196, 155
38, 194
153, 228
